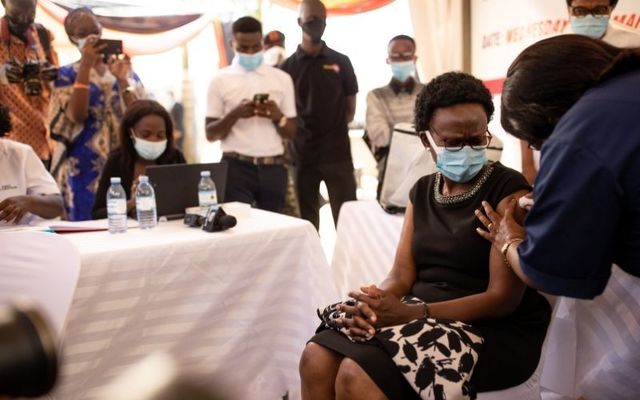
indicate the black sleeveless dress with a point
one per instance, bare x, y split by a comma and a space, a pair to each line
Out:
452, 261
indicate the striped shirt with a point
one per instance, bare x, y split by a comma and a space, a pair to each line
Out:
387, 106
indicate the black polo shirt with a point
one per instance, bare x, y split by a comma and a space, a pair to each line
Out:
322, 85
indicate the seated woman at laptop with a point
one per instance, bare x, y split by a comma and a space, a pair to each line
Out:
146, 137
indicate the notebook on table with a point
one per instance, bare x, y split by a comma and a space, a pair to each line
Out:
176, 186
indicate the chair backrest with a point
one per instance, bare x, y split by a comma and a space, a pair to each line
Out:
41, 267
406, 163
494, 151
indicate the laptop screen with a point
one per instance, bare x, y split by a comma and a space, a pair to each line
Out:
176, 185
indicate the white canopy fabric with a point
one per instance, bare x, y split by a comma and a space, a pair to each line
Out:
438, 30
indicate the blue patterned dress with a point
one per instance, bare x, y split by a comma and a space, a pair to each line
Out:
81, 150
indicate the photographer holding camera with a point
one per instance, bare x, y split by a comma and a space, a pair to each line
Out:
27, 66
89, 99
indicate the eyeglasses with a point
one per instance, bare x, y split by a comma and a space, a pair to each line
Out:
476, 142
595, 11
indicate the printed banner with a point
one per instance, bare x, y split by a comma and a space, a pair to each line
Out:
501, 29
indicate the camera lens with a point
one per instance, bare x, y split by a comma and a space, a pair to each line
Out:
31, 77
28, 357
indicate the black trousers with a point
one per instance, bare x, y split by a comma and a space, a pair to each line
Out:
341, 184
262, 186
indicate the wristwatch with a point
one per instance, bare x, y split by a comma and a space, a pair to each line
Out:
282, 122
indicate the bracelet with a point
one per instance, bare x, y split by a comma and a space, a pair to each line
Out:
505, 250
427, 313
78, 85
128, 90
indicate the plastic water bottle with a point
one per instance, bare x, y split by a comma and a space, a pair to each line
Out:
207, 194
146, 204
117, 207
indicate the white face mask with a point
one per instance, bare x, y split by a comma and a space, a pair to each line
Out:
274, 56
147, 149
83, 41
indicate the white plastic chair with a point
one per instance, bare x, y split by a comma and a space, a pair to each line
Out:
406, 162
41, 267
531, 388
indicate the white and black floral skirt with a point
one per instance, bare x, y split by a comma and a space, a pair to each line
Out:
431, 359
436, 358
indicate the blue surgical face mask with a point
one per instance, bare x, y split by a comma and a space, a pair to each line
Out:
250, 62
590, 26
402, 70
147, 149
460, 166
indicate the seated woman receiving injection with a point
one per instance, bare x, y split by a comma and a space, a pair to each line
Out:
451, 319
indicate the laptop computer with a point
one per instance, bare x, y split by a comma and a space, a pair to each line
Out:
176, 186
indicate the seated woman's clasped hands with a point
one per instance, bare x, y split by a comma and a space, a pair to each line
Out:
375, 308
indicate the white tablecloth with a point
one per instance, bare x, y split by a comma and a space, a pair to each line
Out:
237, 305
366, 241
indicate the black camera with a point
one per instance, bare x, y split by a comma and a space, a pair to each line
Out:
28, 355
31, 78
215, 220
31, 74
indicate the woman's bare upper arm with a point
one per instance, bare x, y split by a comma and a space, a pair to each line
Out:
503, 281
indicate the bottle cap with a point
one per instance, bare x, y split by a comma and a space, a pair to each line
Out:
205, 173
115, 180
143, 179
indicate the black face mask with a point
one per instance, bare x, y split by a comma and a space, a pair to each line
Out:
315, 29
20, 24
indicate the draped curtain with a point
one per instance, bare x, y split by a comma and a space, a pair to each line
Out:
341, 7
142, 35
438, 30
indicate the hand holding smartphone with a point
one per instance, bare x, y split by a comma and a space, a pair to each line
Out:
111, 47
260, 98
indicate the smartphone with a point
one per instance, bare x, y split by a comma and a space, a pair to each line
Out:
113, 47
260, 97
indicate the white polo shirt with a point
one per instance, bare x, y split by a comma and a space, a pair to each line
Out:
255, 136
22, 173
